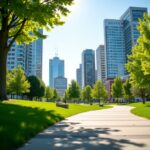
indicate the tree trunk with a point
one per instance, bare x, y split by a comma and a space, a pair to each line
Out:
3, 61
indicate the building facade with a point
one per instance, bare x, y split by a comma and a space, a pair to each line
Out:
56, 69
100, 63
79, 75
60, 84
88, 67
28, 56
120, 36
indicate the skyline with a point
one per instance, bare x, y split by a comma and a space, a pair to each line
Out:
83, 30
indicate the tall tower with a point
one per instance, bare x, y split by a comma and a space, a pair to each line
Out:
79, 75
114, 48
100, 63
88, 67
56, 69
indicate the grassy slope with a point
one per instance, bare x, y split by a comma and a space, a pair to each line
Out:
21, 120
141, 109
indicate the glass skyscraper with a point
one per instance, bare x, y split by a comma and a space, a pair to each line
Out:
88, 67
56, 69
120, 36
79, 75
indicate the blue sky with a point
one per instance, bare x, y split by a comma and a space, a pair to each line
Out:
83, 29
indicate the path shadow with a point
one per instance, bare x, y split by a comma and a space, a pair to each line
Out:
66, 136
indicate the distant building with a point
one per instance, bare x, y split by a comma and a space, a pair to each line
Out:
28, 56
79, 75
120, 36
115, 51
88, 67
100, 63
56, 69
60, 84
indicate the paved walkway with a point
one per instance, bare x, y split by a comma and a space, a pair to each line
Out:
109, 129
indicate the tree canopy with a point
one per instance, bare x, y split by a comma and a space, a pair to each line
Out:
20, 21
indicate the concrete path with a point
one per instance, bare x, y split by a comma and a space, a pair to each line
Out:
109, 129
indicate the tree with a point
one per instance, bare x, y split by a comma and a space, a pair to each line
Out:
99, 92
37, 88
86, 94
138, 65
73, 90
17, 82
117, 88
55, 95
48, 93
20, 21
127, 90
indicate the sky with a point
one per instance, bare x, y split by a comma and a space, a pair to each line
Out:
83, 29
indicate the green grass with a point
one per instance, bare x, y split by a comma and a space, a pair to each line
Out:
20, 120
141, 109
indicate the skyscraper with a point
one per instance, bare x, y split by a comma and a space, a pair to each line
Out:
120, 36
100, 63
28, 56
130, 20
56, 69
79, 75
115, 51
88, 67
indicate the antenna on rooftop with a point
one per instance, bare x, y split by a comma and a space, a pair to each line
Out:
56, 52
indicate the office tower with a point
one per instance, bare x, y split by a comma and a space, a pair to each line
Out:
60, 84
88, 67
56, 69
100, 61
115, 51
79, 75
120, 36
130, 20
16, 56
28, 56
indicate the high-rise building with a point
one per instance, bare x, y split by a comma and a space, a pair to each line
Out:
115, 51
88, 67
79, 75
100, 63
28, 56
56, 69
130, 20
120, 36
60, 84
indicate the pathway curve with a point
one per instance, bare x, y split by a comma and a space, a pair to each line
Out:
109, 129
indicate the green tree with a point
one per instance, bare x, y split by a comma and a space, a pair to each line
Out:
20, 18
55, 95
127, 88
37, 88
74, 90
86, 94
48, 93
99, 92
17, 82
138, 65
117, 88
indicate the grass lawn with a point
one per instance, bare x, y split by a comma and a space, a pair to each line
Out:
141, 109
20, 120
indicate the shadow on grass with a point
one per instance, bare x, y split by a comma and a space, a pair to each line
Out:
18, 124
66, 136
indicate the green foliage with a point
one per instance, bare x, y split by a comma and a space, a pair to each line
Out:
87, 93
37, 88
22, 120
139, 61
117, 88
55, 95
73, 91
48, 93
17, 82
127, 90
99, 92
